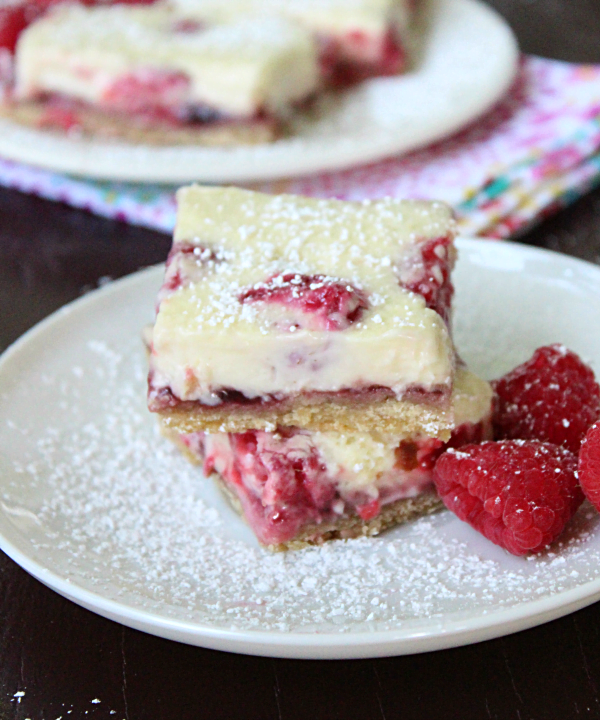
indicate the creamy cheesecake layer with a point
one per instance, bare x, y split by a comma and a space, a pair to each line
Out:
223, 326
297, 486
108, 55
335, 17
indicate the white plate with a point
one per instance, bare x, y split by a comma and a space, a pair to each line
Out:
470, 58
98, 506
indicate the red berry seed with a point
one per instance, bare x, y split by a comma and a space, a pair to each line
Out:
589, 465
520, 494
553, 397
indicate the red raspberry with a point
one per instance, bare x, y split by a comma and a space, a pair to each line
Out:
520, 494
553, 397
589, 465
314, 302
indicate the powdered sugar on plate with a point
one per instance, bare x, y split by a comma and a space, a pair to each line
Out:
90, 493
123, 504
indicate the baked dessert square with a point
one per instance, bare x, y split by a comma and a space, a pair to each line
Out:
296, 487
285, 311
104, 68
357, 39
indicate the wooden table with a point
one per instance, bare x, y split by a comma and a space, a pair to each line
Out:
64, 657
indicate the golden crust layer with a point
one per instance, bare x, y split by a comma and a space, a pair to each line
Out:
93, 123
395, 417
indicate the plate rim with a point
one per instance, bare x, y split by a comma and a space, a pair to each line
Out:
91, 158
307, 645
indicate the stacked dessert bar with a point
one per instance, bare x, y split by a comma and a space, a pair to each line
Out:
196, 71
302, 352
125, 70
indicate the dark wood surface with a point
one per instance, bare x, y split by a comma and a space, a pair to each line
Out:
64, 657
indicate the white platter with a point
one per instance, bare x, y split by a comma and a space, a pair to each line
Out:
96, 505
468, 62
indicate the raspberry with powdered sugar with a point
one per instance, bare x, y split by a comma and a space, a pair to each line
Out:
552, 397
522, 490
520, 494
589, 465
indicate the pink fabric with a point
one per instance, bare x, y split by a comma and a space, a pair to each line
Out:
534, 152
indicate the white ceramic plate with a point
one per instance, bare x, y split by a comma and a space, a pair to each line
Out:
95, 504
469, 60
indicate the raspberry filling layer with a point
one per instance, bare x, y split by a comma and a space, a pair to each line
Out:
291, 302
287, 482
162, 398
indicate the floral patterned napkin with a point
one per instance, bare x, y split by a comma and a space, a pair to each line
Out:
536, 151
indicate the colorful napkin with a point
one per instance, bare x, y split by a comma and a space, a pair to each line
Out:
536, 151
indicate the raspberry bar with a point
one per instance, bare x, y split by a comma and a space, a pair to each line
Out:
357, 39
148, 64
320, 314
296, 487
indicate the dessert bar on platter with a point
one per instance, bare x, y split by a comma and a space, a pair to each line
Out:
357, 39
319, 314
301, 352
188, 71
296, 487
127, 70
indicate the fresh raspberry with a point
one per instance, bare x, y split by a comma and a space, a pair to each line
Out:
553, 397
313, 302
520, 494
589, 465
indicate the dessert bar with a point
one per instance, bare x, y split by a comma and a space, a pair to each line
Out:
296, 487
357, 38
149, 66
320, 314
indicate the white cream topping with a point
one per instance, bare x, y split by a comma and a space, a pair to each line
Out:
335, 17
237, 68
204, 338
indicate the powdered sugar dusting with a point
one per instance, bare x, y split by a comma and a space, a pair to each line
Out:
122, 513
